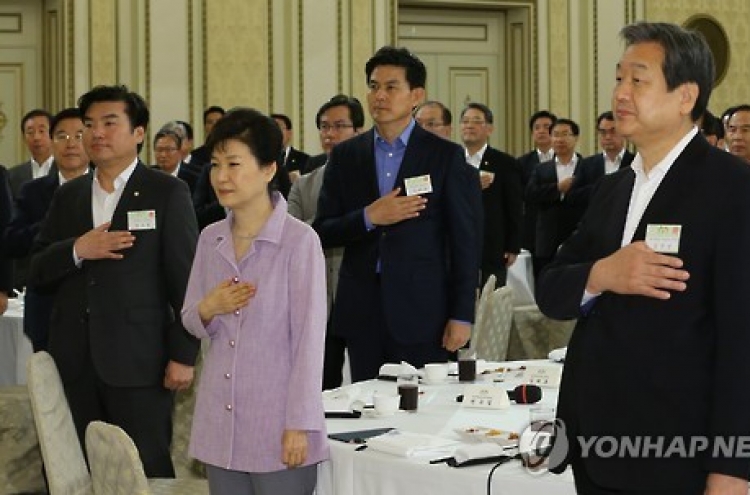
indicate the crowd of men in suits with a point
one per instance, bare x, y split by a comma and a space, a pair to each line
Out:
411, 224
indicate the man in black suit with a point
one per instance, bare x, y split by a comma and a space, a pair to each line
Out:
35, 126
6, 272
657, 276
292, 160
167, 146
540, 124
500, 179
560, 192
116, 248
200, 156
31, 207
613, 156
406, 208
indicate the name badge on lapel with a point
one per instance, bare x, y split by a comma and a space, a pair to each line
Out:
418, 185
142, 220
663, 238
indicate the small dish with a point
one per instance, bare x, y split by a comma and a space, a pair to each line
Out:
476, 434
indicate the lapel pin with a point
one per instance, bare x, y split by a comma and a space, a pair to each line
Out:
136, 193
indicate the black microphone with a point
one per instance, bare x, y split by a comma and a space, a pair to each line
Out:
525, 394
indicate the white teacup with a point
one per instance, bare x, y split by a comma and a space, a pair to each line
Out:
435, 372
386, 404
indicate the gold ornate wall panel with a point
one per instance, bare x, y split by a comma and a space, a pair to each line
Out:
362, 36
103, 41
237, 53
733, 16
559, 57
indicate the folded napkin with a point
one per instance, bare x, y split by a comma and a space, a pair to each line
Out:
407, 444
558, 355
394, 370
340, 399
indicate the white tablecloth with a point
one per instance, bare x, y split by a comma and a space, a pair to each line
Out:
351, 472
15, 347
521, 280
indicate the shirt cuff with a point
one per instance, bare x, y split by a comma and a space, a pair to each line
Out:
368, 224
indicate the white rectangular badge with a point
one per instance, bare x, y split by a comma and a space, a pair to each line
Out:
142, 220
418, 185
663, 238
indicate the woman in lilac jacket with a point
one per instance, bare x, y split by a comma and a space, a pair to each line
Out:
257, 291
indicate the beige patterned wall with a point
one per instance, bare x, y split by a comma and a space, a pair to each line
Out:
103, 41
237, 51
734, 16
559, 59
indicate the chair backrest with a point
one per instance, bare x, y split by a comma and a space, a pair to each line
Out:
116, 467
494, 337
61, 450
480, 315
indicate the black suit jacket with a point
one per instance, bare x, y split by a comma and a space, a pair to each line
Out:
428, 265
31, 206
296, 160
124, 314
528, 163
642, 366
187, 173
315, 161
6, 208
593, 169
557, 215
502, 203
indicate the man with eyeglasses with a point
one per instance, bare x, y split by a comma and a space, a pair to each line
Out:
338, 119
738, 132
168, 152
406, 208
31, 207
500, 180
435, 117
558, 189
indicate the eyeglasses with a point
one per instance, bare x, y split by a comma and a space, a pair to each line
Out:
165, 150
607, 132
562, 135
430, 124
65, 137
337, 127
472, 122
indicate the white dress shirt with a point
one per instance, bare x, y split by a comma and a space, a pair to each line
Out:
41, 169
612, 166
475, 160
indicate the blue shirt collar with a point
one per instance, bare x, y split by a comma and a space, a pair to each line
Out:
403, 137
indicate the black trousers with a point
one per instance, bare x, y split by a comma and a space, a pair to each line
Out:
145, 413
585, 486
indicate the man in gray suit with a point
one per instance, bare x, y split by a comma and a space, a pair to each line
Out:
339, 119
35, 126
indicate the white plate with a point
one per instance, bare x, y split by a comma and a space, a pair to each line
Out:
476, 434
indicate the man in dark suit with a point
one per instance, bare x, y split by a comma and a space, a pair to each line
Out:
31, 207
613, 156
200, 156
500, 179
560, 193
35, 126
167, 147
405, 206
292, 160
657, 277
6, 272
540, 124
116, 248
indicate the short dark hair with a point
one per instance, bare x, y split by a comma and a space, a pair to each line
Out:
212, 109
739, 108
482, 108
711, 125
261, 134
416, 73
573, 126
188, 129
608, 115
37, 112
280, 116
356, 112
541, 114
446, 115
68, 113
170, 134
135, 106
687, 57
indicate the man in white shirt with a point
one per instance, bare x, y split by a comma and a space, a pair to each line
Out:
657, 276
35, 126
738, 132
